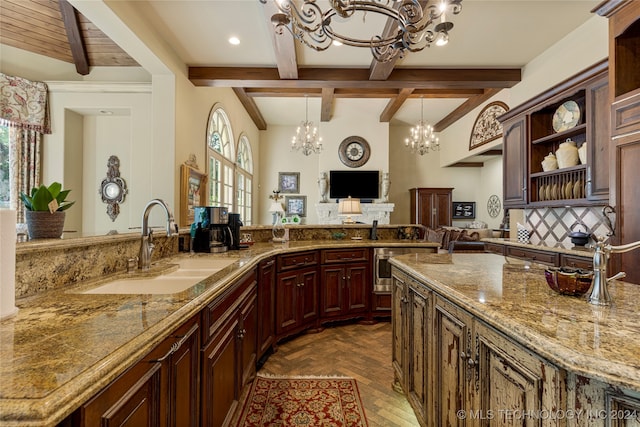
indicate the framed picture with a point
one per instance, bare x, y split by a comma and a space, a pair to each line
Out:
464, 210
289, 182
192, 193
487, 128
295, 205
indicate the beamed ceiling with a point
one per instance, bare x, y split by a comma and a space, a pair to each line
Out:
197, 30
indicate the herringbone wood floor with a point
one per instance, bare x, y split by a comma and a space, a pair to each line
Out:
359, 351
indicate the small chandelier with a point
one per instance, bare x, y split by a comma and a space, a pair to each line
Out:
306, 138
422, 137
417, 28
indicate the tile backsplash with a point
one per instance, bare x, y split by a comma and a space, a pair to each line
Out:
549, 226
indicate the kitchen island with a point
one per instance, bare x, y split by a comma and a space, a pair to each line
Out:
483, 336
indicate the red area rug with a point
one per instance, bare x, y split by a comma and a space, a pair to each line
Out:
303, 401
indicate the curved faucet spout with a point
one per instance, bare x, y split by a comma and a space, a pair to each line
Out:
146, 245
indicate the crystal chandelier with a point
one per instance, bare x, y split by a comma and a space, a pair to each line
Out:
307, 138
422, 137
416, 27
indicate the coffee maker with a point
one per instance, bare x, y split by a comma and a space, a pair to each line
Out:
212, 233
234, 226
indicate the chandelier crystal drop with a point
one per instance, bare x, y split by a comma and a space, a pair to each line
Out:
307, 138
422, 138
416, 27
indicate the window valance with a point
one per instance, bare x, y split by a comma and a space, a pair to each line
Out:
23, 103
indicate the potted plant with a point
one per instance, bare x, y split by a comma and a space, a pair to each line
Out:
45, 210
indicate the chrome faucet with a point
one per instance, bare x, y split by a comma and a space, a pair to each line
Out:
146, 245
599, 292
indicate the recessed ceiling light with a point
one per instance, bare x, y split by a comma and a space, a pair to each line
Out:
234, 40
106, 112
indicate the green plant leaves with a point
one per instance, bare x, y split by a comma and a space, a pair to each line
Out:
43, 195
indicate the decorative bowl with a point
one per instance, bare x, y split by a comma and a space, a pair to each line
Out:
568, 281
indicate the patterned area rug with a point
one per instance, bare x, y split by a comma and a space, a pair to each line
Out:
303, 401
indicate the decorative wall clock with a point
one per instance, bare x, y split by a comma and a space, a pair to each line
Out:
494, 206
487, 128
354, 151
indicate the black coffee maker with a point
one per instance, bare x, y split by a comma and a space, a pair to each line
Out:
234, 226
212, 232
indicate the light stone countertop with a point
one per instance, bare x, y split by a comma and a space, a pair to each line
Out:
63, 346
567, 249
594, 341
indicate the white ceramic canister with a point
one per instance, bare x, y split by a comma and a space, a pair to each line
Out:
550, 163
582, 153
567, 154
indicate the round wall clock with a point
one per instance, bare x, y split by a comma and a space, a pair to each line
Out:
354, 151
566, 116
494, 206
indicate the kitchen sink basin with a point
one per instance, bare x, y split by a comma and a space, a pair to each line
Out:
190, 272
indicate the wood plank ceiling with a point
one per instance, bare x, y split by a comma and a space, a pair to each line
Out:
55, 29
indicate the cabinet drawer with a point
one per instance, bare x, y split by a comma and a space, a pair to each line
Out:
494, 248
626, 115
335, 256
297, 260
548, 258
213, 315
576, 262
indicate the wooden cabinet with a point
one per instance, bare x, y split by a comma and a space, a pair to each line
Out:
514, 158
266, 306
412, 342
345, 283
533, 255
229, 352
529, 136
160, 390
297, 300
494, 248
624, 79
431, 207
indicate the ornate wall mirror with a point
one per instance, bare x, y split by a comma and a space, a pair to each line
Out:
113, 188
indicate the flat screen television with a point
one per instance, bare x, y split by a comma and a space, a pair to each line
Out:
362, 185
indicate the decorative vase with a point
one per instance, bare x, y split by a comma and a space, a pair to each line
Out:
385, 187
44, 224
550, 163
567, 154
323, 186
582, 153
278, 231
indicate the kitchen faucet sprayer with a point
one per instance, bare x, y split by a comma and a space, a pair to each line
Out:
146, 244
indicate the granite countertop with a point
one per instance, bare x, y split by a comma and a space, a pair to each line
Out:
64, 346
595, 341
568, 249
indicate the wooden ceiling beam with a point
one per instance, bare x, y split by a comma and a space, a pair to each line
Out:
362, 93
356, 78
327, 104
252, 109
464, 109
283, 45
394, 105
466, 165
74, 34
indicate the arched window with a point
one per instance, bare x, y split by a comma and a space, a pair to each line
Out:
244, 179
220, 159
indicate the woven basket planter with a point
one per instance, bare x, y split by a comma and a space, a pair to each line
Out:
44, 225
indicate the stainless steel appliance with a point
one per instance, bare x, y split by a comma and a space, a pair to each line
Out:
212, 229
382, 280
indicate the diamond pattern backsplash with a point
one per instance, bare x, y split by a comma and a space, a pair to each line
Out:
549, 226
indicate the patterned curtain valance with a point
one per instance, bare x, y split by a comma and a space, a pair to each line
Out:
23, 103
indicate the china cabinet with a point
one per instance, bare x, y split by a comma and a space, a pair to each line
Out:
431, 207
561, 121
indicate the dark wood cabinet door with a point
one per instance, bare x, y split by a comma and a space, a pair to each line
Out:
220, 383
598, 140
398, 328
266, 306
184, 374
431, 207
358, 287
248, 335
333, 280
419, 306
514, 158
309, 295
288, 304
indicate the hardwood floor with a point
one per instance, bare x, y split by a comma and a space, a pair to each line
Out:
359, 351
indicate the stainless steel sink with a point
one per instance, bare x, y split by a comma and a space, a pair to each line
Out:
190, 272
